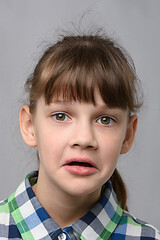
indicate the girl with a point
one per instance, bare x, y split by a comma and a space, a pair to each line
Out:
81, 116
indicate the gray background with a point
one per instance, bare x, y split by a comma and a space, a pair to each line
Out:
26, 27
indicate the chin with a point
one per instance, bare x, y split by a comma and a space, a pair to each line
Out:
82, 191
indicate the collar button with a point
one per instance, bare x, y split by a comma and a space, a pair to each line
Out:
62, 236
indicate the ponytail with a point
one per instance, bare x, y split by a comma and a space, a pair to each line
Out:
120, 189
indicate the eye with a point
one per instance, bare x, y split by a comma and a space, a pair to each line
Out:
60, 117
105, 120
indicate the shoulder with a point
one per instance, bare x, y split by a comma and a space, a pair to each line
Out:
8, 228
4, 212
4, 219
131, 226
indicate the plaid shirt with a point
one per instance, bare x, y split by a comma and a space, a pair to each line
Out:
23, 217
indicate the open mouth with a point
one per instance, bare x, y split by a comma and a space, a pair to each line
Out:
80, 167
82, 164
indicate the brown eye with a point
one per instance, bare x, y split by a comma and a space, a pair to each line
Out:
60, 117
105, 120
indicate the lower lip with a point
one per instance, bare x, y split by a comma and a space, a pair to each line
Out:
80, 170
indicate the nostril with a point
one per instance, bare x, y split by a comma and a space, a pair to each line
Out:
84, 146
88, 142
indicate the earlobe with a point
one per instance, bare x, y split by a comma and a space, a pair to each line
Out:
26, 126
130, 134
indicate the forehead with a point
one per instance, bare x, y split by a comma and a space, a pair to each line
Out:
98, 101
99, 105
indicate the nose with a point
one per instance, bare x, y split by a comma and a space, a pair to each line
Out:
83, 136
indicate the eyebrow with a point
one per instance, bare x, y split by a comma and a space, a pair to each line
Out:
60, 101
101, 107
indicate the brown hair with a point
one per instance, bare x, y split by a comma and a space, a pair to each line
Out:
75, 66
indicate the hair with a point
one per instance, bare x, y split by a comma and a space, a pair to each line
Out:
76, 66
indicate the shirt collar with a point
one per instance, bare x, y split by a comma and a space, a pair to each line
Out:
34, 222
102, 219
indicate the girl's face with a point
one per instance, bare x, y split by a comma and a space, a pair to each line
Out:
78, 143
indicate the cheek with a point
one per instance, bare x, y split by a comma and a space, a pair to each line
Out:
48, 147
109, 158
111, 148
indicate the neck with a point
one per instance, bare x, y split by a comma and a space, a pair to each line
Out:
64, 209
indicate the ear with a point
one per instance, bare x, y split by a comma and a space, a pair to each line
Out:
130, 134
26, 126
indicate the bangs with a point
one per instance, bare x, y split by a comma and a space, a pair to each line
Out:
76, 68
80, 72
73, 84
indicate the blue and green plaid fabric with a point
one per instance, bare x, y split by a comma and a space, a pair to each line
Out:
23, 217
